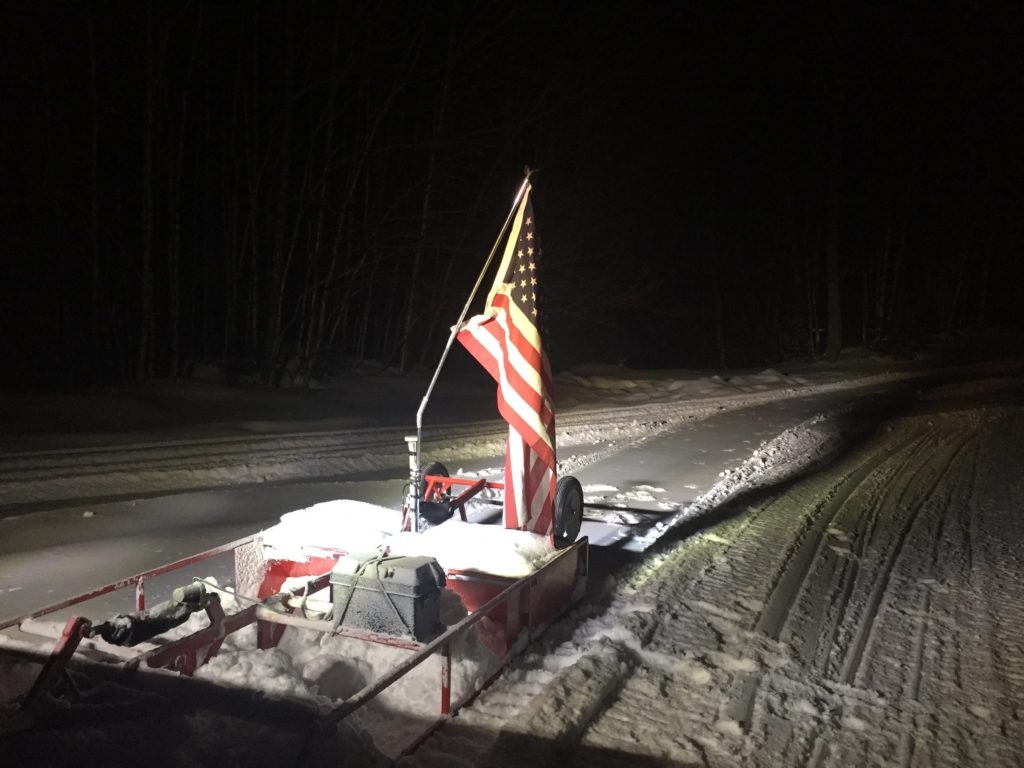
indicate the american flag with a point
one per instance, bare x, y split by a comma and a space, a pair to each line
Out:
506, 341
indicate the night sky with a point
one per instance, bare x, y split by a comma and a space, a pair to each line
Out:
281, 190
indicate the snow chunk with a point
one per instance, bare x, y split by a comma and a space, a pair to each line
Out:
473, 547
853, 723
806, 707
270, 671
345, 524
729, 728
732, 663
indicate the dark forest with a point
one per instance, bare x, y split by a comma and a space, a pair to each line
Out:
282, 190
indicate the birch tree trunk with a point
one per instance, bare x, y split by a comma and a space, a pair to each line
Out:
411, 312
143, 362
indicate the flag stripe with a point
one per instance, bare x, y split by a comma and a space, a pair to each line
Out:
536, 426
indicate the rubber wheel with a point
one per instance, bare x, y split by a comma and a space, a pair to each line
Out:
568, 511
436, 511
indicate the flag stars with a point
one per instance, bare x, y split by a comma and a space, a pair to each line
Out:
529, 235
529, 252
522, 283
529, 221
532, 266
533, 281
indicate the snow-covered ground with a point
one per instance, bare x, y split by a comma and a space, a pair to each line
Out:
867, 613
816, 567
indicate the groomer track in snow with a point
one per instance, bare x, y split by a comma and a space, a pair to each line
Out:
871, 613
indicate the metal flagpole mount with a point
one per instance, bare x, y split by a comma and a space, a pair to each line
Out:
415, 442
412, 500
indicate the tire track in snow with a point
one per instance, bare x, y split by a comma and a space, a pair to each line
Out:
960, 669
921, 497
778, 554
792, 582
913, 702
914, 487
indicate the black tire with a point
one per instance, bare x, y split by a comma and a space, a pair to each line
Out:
436, 468
436, 511
568, 511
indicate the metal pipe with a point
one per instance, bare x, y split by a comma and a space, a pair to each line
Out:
451, 340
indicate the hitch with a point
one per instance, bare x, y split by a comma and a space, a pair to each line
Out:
129, 629
125, 630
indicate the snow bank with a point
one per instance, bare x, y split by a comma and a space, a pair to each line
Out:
776, 460
621, 385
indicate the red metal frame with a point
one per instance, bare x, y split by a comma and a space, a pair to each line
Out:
509, 613
55, 665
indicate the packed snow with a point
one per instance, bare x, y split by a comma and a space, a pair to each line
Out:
342, 524
803, 568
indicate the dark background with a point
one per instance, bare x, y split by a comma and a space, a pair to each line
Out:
283, 190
